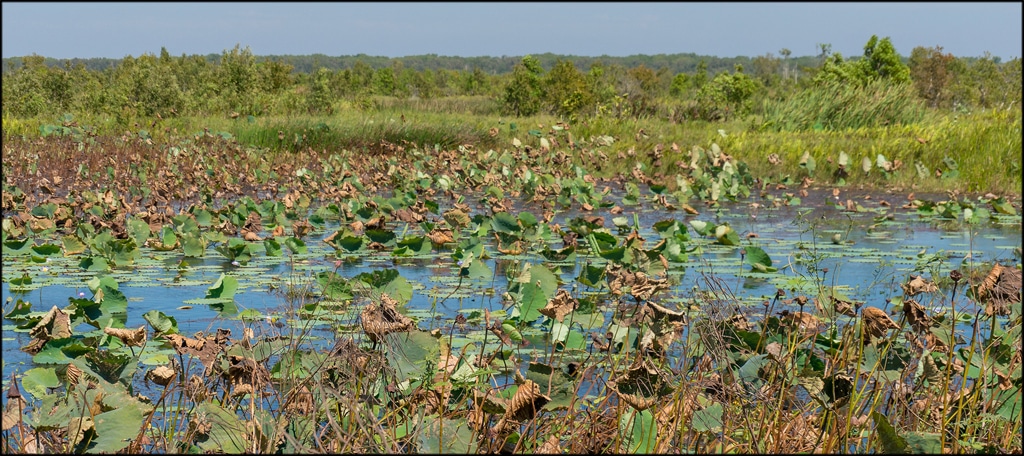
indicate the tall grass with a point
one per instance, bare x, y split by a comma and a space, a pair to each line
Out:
842, 106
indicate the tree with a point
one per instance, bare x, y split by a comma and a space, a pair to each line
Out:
318, 98
679, 85
700, 77
524, 92
766, 68
384, 81
726, 95
785, 53
880, 62
929, 70
567, 91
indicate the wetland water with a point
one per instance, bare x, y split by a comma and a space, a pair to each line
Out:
867, 255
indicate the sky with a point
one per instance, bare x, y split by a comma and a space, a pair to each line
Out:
116, 30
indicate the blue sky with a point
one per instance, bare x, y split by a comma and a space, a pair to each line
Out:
68, 30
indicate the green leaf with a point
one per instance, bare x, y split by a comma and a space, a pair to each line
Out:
412, 353
591, 275
554, 383
532, 301
510, 329
227, 432
1010, 404
116, 429
547, 280
35, 381
759, 260
807, 162
924, 442
192, 245
384, 237
161, 322
295, 245
46, 250
708, 419
384, 281
334, 286
15, 247
138, 230
503, 222
223, 288
272, 247
446, 436
641, 431
999, 204
725, 235
701, 227
750, 371
892, 443
94, 264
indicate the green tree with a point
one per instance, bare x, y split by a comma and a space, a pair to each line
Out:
638, 89
23, 93
726, 96
680, 83
523, 94
882, 62
474, 82
700, 77
766, 69
239, 79
318, 97
384, 81
567, 90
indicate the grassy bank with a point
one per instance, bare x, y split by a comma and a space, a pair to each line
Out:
973, 152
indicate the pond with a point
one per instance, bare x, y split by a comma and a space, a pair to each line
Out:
864, 254
747, 262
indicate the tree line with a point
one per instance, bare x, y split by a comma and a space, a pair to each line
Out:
679, 86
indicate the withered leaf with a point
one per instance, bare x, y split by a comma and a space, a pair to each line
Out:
206, 349
525, 404
440, 236
844, 307
918, 285
876, 322
129, 337
918, 319
561, 305
56, 324
250, 236
378, 319
639, 386
161, 375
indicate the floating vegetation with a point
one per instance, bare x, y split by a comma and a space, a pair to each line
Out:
466, 300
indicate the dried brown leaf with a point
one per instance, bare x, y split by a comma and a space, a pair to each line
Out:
378, 319
844, 307
876, 321
918, 285
525, 404
250, 236
161, 375
129, 337
439, 236
561, 305
56, 324
918, 319
203, 348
